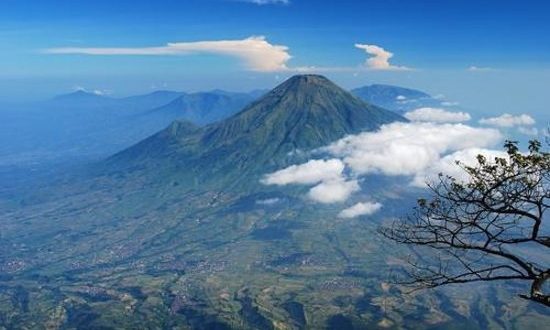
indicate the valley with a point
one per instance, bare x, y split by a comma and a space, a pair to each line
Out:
177, 231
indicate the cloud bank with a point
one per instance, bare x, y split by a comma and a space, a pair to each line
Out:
418, 150
447, 165
380, 58
408, 148
255, 52
436, 115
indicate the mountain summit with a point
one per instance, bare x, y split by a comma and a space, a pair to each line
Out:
303, 113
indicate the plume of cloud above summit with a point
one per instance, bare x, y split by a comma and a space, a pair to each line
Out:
256, 52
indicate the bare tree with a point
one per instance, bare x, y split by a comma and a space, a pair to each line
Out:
486, 228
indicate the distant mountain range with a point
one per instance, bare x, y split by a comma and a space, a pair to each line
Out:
83, 124
86, 124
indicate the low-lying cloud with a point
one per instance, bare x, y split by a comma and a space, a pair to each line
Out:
312, 172
437, 115
360, 209
408, 148
448, 166
508, 120
333, 191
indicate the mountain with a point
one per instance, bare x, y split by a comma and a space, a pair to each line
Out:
151, 100
85, 100
81, 99
204, 107
303, 113
81, 124
395, 98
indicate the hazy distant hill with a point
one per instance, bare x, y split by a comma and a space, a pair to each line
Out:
87, 100
83, 124
202, 108
395, 98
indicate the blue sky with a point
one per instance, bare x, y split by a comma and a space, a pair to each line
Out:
438, 40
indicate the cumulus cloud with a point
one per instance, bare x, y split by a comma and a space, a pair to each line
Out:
327, 175
359, 209
408, 148
416, 149
312, 172
508, 120
437, 115
256, 52
447, 165
333, 191
380, 58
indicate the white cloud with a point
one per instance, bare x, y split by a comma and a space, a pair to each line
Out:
408, 148
436, 115
312, 172
268, 2
256, 52
474, 68
380, 58
528, 130
100, 92
333, 191
508, 120
359, 209
401, 98
447, 165
449, 104
415, 149
268, 201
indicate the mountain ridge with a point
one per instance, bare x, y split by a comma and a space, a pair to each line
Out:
301, 114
